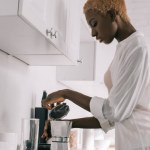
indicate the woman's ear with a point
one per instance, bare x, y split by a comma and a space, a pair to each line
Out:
112, 13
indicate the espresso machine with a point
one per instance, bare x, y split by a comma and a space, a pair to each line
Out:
58, 129
42, 114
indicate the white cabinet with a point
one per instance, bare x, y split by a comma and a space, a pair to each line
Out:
35, 13
47, 16
85, 70
41, 29
57, 18
73, 30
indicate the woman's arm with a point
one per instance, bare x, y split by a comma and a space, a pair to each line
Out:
89, 122
59, 96
78, 98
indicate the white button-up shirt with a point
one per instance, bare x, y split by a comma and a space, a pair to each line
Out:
128, 106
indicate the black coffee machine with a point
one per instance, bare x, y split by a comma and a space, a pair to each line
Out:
42, 114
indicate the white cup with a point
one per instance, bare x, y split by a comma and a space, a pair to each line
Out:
9, 140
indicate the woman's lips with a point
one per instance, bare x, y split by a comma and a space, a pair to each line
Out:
101, 40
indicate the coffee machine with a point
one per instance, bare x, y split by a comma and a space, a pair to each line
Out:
60, 131
42, 114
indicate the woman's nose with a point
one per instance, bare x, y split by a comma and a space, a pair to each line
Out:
94, 33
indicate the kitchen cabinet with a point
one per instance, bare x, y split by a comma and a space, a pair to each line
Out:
73, 30
85, 70
33, 30
44, 16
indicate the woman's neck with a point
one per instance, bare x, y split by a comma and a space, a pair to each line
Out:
125, 29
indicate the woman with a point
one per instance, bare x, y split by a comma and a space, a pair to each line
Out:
127, 107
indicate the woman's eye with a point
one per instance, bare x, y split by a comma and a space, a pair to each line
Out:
93, 23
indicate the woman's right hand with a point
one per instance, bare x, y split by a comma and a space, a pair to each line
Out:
46, 132
54, 98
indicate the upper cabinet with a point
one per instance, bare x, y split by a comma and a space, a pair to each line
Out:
85, 70
49, 17
41, 29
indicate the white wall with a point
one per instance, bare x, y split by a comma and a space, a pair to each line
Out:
43, 78
15, 94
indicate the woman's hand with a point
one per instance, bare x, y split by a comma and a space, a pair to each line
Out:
46, 135
59, 96
55, 97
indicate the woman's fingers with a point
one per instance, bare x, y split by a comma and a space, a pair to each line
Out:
46, 104
49, 104
43, 136
58, 103
47, 138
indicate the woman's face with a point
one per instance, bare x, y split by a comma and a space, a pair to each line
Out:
104, 27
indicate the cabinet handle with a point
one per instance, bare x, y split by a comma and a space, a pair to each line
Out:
55, 34
80, 61
49, 32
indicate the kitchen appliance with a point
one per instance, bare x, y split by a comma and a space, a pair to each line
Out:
42, 114
60, 131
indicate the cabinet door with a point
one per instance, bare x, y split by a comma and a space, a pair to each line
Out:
84, 71
73, 30
57, 11
34, 12
40, 14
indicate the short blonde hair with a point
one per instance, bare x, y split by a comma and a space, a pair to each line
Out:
106, 5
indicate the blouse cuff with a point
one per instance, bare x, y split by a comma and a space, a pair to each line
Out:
96, 108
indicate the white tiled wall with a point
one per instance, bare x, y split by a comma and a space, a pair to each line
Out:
15, 94
21, 90
43, 78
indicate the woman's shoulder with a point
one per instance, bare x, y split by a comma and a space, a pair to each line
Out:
135, 43
136, 39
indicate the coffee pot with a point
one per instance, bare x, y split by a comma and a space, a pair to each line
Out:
60, 131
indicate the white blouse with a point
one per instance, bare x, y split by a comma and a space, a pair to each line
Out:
128, 106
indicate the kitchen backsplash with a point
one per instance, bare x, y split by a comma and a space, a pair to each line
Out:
15, 93
21, 88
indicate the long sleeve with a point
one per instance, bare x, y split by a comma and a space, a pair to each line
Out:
130, 79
